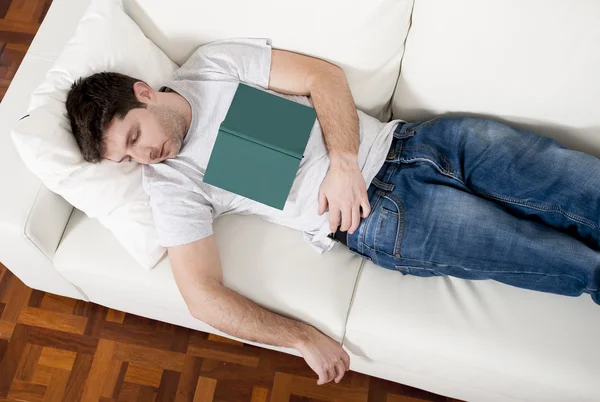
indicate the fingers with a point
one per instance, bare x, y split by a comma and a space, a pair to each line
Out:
366, 207
346, 359
333, 368
322, 376
327, 374
322, 203
346, 218
334, 219
355, 219
334, 372
350, 217
340, 370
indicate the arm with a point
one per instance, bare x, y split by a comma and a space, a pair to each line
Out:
326, 83
344, 188
197, 270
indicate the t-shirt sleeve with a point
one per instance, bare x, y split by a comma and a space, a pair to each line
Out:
180, 215
244, 59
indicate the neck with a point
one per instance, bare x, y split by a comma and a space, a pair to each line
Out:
174, 100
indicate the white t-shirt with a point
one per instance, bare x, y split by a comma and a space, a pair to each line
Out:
184, 207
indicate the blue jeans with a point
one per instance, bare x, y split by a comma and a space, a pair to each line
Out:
477, 199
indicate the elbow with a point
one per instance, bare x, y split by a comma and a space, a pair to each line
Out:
204, 314
323, 74
200, 304
196, 312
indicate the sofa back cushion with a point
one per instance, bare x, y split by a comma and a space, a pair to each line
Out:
364, 37
535, 63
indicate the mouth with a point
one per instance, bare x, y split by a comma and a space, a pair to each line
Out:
162, 151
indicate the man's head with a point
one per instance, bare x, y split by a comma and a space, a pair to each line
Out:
117, 117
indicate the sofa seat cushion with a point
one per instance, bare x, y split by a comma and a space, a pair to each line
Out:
509, 341
266, 263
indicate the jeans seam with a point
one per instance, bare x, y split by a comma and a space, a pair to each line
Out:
448, 170
540, 207
377, 229
418, 268
500, 272
361, 237
425, 124
374, 251
391, 173
401, 222
442, 171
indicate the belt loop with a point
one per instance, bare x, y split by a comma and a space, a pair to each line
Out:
383, 186
400, 131
400, 128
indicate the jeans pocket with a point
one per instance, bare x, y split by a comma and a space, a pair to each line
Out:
389, 226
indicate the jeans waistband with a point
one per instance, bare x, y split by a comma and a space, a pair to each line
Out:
399, 133
340, 236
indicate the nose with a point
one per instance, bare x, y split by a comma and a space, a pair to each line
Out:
143, 155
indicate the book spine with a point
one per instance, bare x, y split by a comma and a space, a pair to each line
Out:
251, 139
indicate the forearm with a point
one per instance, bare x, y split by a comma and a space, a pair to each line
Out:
235, 315
337, 115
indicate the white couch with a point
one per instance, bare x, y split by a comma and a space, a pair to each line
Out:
533, 63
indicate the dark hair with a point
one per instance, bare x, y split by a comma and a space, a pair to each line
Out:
92, 104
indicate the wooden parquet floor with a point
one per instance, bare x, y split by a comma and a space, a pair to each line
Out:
19, 22
55, 348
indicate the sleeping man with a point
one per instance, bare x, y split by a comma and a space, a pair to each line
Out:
465, 197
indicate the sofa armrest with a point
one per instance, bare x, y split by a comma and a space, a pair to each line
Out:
32, 218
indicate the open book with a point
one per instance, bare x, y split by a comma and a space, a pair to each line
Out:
260, 145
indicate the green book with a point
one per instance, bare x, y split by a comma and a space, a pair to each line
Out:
259, 146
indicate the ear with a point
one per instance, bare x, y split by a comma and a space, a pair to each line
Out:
143, 92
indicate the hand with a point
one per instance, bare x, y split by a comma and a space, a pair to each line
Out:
344, 189
324, 356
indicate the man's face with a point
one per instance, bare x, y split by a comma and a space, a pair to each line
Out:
146, 136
